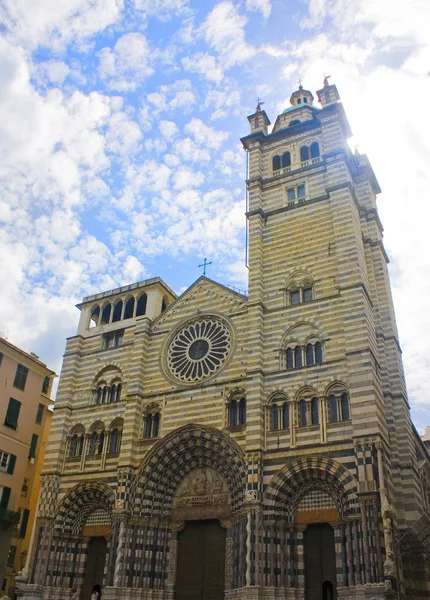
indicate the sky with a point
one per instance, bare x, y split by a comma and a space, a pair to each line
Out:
120, 156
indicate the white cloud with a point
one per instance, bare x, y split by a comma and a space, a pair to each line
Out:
163, 9
168, 129
224, 31
127, 65
178, 95
123, 135
133, 270
263, 6
184, 177
206, 135
189, 151
55, 70
48, 22
204, 64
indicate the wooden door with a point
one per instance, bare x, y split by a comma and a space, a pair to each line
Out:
201, 561
320, 563
95, 565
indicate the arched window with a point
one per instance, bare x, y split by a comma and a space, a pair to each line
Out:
318, 353
304, 153
118, 393
105, 397
94, 316
99, 399
344, 407
294, 122
332, 409
99, 447
315, 150
315, 411
164, 304
233, 413
156, 425
298, 357
310, 354
305, 100
242, 411
302, 413
152, 424
141, 305
114, 439
73, 446
148, 426
112, 394
290, 358
276, 163
285, 415
117, 312
129, 309
286, 159
106, 314
299, 100
275, 417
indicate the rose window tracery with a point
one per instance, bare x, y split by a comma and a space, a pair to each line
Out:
199, 349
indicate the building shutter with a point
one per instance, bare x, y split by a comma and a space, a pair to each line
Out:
4, 500
32, 451
12, 413
24, 522
11, 464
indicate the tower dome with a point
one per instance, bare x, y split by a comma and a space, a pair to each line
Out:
301, 96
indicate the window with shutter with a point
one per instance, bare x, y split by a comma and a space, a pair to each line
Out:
25, 513
4, 496
39, 414
32, 451
12, 413
20, 377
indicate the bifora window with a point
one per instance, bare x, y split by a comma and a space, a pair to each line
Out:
308, 412
296, 193
279, 414
298, 295
237, 411
338, 406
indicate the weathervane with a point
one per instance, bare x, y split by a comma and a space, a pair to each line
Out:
204, 265
326, 78
259, 104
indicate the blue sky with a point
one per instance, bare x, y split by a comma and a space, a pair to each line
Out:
120, 156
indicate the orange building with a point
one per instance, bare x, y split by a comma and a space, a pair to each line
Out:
25, 418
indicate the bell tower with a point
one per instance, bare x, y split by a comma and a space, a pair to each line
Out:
325, 349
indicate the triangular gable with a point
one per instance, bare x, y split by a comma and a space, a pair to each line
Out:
202, 283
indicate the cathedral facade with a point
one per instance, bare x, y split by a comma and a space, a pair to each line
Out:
221, 445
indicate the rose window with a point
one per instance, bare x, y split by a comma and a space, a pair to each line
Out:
199, 350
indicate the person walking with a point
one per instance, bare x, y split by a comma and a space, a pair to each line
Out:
96, 595
75, 594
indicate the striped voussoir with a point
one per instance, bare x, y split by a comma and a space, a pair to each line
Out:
301, 475
80, 502
171, 459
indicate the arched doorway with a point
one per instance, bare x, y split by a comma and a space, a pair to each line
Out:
201, 561
320, 562
95, 564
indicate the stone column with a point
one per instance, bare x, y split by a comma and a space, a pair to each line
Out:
363, 506
300, 530
85, 450
119, 559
